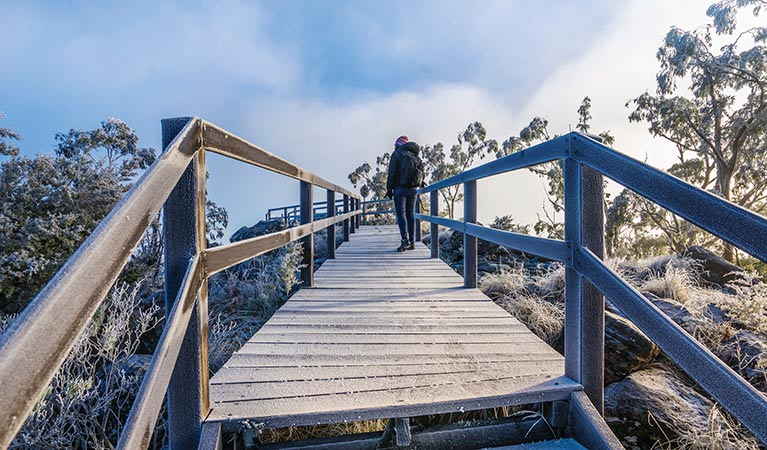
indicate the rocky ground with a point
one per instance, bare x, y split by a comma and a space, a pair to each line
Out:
649, 401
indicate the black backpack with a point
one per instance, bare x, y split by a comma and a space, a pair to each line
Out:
412, 170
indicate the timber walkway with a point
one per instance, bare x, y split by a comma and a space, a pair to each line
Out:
384, 334
374, 333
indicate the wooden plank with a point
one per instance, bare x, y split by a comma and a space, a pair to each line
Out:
385, 334
299, 360
281, 374
343, 315
519, 335
235, 392
394, 403
389, 329
351, 320
388, 306
533, 344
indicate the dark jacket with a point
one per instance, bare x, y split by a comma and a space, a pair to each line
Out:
397, 163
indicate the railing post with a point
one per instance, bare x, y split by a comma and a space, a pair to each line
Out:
182, 239
358, 218
434, 228
469, 242
346, 221
307, 216
418, 221
331, 230
584, 304
353, 220
363, 210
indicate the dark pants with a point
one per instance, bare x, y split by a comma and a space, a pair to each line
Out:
404, 204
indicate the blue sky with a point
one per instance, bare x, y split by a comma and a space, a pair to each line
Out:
328, 85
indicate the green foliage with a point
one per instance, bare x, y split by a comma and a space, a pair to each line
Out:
719, 125
373, 184
472, 145
50, 204
506, 223
6, 136
536, 132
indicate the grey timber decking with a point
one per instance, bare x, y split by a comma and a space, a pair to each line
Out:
382, 335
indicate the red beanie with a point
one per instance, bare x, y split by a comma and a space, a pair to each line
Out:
401, 140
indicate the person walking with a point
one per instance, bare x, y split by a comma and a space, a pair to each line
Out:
405, 176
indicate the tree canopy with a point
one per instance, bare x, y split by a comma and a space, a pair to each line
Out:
719, 123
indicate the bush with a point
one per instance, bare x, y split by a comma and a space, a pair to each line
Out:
91, 394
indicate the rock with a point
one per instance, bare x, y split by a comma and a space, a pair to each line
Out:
716, 269
746, 353
655, 405
259, 229
672, 308
489, 267
627, 349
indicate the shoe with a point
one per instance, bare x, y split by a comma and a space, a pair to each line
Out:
410, 246
403, 246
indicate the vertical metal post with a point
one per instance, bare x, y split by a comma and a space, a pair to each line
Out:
202, 298
331, 230
469, 242
584, 304
362, 213
181, 238
434, 229
346, 221
593, 302
353, 220
358, 218
573, 335
307, 216
418, 221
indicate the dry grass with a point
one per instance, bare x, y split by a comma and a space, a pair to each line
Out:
673, 283
748, 306
543, 318
505, 283
320, 431
723, 433
536, 300
93, 390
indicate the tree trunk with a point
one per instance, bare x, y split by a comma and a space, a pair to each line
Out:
723, 181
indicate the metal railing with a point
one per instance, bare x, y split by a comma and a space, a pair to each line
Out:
588, 278
291, 214
35, 345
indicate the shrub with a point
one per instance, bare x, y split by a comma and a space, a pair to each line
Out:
91, 394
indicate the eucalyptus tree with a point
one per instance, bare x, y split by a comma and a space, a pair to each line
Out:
536, 132
7, 147
472, 145
711, 103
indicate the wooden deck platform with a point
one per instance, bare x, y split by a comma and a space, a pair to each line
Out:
383, 335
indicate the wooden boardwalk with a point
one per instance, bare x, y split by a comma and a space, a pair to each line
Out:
384, 335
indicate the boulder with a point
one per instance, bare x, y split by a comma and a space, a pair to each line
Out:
654, 405
627, 349
715, 269
746, 352
261, 228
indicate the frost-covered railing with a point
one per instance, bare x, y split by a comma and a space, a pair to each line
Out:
34, 346
588, 277
291, 213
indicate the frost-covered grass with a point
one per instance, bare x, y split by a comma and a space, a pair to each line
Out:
92, 392
723, 433
535, 300
242, 299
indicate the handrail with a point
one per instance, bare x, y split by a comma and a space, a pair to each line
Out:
37, 342
580, 152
